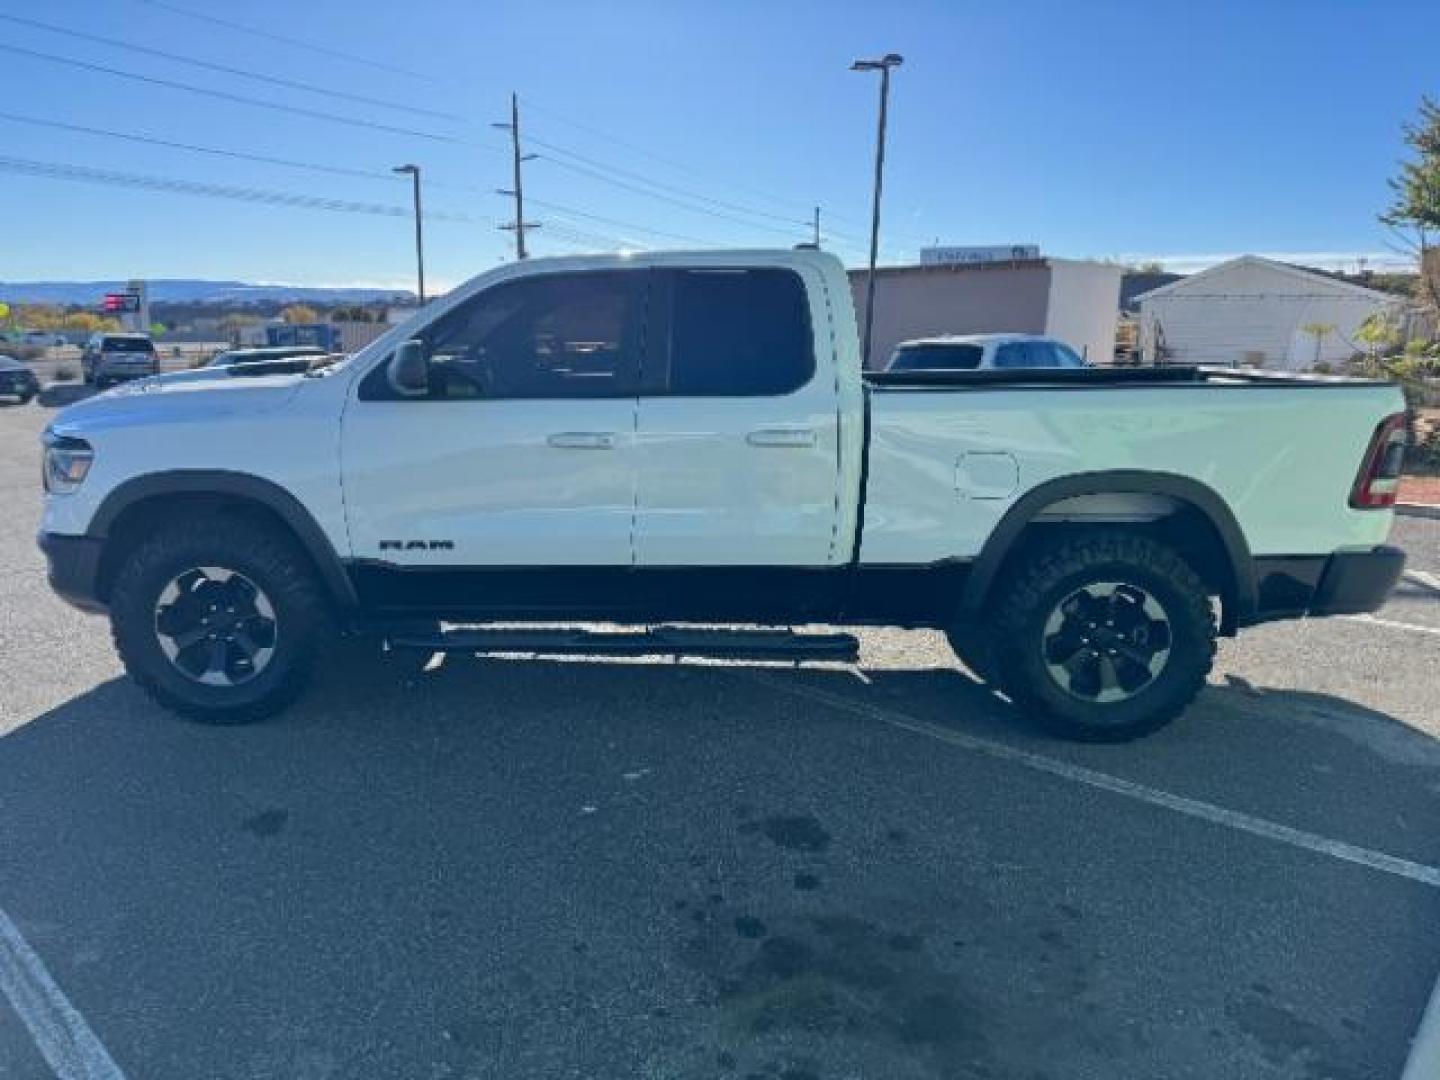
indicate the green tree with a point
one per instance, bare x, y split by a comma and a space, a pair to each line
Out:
300, 313
1377, 335
1319, 331
1414, 214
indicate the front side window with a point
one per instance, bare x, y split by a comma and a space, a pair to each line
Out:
1066, 356
551, 336
736, 333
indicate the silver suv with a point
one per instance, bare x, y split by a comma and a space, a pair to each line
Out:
110, 358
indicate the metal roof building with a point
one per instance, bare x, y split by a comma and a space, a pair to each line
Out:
1256, 311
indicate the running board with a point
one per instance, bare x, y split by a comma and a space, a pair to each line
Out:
659, 641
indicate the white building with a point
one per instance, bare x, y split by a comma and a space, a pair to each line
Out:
1255, 311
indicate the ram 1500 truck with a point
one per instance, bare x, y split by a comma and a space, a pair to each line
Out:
673, 440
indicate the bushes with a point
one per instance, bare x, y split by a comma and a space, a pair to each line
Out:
65, 373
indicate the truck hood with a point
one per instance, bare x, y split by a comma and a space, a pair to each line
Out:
181, 396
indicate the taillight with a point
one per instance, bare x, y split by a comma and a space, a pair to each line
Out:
1379, 475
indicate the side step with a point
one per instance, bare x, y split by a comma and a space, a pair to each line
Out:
657, 641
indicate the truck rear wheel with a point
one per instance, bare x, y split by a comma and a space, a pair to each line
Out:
1106, 636
220, 621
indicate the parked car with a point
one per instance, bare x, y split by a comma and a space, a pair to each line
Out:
690, 438
111, 358
17, 380
272, 358
972, 352
43, 337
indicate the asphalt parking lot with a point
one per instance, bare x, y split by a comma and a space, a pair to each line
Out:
523, 868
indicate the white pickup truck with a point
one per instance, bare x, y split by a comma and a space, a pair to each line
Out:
688, 439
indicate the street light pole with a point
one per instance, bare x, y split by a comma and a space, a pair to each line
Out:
883, 65
414, 173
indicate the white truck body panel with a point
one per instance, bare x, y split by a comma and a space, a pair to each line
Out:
1285, 471
508, 483
747, 481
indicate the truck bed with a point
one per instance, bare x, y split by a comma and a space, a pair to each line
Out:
951, 451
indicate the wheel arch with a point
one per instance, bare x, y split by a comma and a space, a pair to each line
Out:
1186, 512
144, 500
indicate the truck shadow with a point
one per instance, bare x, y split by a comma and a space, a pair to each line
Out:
611, 824
1276, 750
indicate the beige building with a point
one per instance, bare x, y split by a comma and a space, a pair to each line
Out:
1073, 300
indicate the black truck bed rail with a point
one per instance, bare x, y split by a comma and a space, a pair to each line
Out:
1094, 377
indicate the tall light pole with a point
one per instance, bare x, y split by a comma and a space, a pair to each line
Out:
883, 65
414, 173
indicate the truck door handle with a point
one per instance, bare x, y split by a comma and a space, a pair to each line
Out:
582, 440
798, 438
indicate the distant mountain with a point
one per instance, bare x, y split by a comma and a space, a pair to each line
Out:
191, 291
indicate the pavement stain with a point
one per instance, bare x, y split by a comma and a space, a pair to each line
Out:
267, 823
836, 975
797, 833
1290, 1041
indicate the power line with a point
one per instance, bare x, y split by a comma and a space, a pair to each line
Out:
114, 178
274, 80
683, 237
680, 166
241, 155
226, 152
641, 178
595, 175
307, 45
636, 148
314, 114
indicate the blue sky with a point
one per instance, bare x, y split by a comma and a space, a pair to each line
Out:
1182, 131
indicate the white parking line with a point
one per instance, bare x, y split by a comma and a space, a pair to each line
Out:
1392, 624
61, 1035
1422, 577
1424, 1060
1180, 804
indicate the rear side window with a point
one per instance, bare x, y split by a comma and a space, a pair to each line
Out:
127, 344
937, 358
737, 333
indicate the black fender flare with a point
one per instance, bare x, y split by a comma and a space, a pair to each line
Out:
245, 487
1117, 481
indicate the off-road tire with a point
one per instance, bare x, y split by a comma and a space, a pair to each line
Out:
268, 558
1053, 574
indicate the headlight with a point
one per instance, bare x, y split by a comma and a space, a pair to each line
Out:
67, 462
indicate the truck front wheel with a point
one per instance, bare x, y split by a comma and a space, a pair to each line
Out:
220, 620
1105, 636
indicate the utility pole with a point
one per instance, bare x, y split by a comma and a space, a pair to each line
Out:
816, 238
883, 65
413, 171
518, 191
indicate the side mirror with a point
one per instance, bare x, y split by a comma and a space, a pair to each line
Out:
409, 372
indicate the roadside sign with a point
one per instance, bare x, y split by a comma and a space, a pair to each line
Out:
122, 303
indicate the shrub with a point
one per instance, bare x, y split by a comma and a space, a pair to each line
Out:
64, 373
